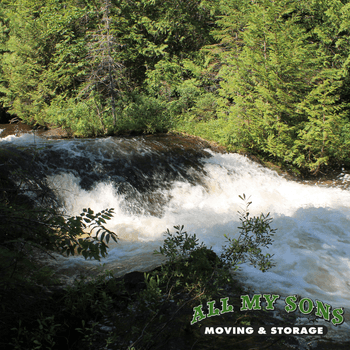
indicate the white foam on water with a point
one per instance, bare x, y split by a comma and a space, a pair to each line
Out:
25, 140
311, 247
312, 242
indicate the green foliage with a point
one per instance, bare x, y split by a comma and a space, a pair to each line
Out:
255, 232
80, 308
90, 297
95, 246
76, 116
63, 62
30, 227
180, 245
152, 296
277, 60
196, 269
30, 230
267, 77
89, 333
191, 265
39, 228
42, 337
276, 82
195, 272
43, 55
153, 30
144, 114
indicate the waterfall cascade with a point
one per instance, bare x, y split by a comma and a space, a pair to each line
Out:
154, 183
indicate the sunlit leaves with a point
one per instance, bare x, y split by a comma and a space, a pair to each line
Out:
277, 58
254, 233
93, 246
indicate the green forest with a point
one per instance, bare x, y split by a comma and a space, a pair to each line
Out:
263, 76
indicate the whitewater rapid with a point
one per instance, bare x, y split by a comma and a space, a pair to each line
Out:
311, 246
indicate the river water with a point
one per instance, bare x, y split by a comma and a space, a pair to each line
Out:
154, 183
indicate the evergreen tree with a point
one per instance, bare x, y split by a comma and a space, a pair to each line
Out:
325, 136
280, 79
105, 73
43, 57
265, 75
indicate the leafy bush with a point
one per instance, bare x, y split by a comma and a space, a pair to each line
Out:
35, 232
86, 298
194, 272
191, 266
195, 269
29, 228
179, 246
30, 219
77, 316
255, 232
46, 230
144, 114
82, 118
43, 336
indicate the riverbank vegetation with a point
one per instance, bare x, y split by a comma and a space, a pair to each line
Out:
265, 77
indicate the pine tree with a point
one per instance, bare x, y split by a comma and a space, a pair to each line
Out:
283, 69
325, 134
44, 54
105, 75
263, 55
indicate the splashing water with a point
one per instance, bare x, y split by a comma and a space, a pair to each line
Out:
152, 188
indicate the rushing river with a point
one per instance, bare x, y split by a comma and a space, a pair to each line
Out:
157, 182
